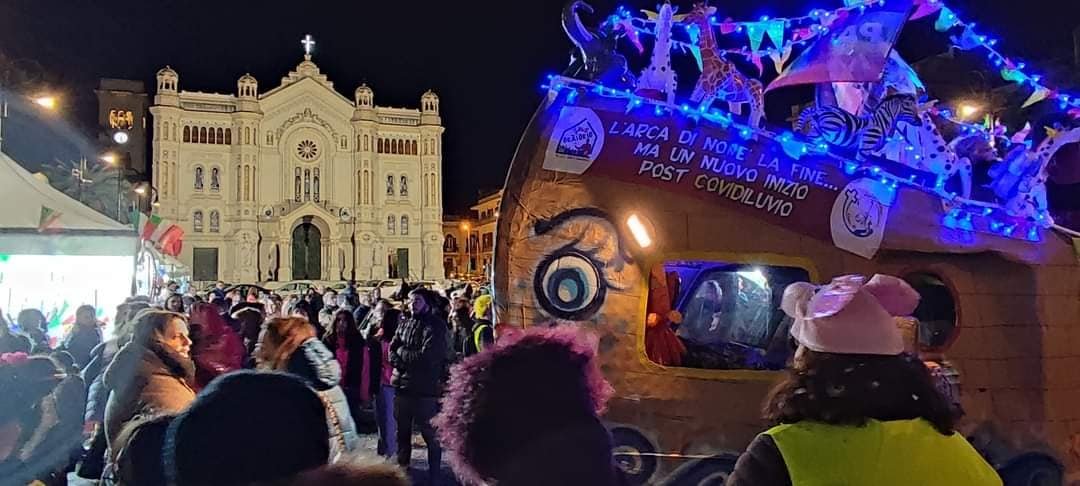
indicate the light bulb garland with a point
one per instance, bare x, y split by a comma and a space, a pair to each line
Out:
817, 22
992, 217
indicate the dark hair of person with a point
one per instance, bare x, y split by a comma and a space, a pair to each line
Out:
139, 459
151, 323
31, 319
345, 324
389, 323
849, 389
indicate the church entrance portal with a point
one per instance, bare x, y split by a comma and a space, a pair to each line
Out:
307, 252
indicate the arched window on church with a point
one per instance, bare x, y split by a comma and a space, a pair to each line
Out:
307, 184
378, 144
238, 182
390, 221
187, 134
198, 178
404, 225
393, 147
202, 135
228, 136
197, 221
367, 188
366, 142
404, 188
424, 188
215, 221
298, 185
315, 183
413, 144
247, 182
215, 179
247, 135
390, 186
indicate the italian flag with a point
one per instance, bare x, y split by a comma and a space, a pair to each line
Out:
145, 225
167, 237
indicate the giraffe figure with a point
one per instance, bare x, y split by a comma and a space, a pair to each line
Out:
719, 78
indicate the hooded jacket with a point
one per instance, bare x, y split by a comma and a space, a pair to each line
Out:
418, 353
215, 348
318, 367
146, 380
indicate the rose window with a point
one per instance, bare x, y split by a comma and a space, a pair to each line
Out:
307, 150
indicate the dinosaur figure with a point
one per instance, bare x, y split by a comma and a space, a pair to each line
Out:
598, 62
659, 80
719, 78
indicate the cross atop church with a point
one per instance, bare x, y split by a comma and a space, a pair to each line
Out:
309, 46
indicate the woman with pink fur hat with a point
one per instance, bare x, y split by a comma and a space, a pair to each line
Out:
855, 409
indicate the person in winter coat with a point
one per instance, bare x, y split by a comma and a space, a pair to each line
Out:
343, 338
461, 326
152, 374
483, 330
257, 429
70, 404
216, 349
137, 455
418, 353
388, 320
175, 303
33, 324
85, 334
250, 318
288, 344
527, 413
29, 419
855, 409
328, 310
11, 341
93, 462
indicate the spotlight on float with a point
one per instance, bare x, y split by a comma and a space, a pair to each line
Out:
121, 137
968, 110
640, 230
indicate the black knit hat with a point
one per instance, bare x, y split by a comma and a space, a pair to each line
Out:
246, 427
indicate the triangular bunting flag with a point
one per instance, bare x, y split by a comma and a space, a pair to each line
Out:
48, 220
1040, 94
756, 32
946, 20
775, 30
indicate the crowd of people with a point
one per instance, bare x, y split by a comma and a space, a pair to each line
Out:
253, 389
100, 405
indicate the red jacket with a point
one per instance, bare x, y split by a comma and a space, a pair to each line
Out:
215, 348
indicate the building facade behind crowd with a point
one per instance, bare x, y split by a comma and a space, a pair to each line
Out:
298, 182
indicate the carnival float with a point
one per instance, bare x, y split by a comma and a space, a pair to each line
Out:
666, 213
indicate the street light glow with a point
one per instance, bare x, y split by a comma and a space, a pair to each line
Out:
140, 190
46, 101
110, 159
968, 110
464, 226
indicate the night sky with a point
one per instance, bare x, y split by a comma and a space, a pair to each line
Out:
485, 59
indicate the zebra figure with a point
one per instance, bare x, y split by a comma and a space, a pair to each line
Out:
867, 133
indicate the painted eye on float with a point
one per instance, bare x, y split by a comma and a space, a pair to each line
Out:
569, 285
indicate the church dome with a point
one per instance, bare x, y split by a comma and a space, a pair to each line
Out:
429, 102
365, 97
167, 79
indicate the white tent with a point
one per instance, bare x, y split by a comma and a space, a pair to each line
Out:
79, 230
83, 257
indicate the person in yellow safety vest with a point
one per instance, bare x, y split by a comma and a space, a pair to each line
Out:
854, 409
483, 331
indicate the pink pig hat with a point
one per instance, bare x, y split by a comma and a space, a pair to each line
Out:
850, 315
